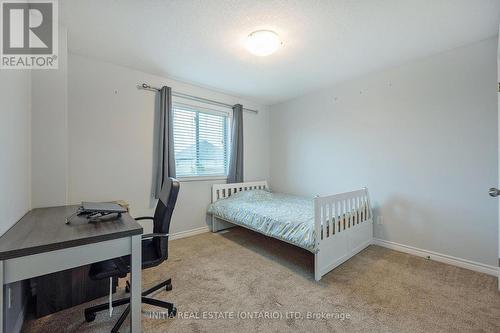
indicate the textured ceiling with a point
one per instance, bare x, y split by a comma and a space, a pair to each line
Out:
326, 41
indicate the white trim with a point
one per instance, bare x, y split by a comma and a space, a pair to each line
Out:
444, 258
201, 178
189, 233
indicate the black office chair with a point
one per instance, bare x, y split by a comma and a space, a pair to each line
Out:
154, 252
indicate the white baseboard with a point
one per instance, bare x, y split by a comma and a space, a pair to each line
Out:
464, 263
189, 233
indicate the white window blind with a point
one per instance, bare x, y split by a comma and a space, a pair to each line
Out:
201, 142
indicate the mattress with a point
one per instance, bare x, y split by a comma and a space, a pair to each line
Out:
282, 216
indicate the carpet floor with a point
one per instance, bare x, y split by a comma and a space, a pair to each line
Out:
241, 281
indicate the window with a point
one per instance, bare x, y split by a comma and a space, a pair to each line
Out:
201, 142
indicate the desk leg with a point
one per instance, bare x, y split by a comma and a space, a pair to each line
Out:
2, 299
135, 285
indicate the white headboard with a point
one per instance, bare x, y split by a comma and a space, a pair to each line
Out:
220, 191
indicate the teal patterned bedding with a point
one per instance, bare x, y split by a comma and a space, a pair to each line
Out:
282, 216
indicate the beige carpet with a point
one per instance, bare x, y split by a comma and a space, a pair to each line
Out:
243, 272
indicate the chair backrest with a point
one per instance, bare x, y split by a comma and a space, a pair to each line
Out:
163, 215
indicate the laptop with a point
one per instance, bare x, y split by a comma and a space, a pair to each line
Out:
96, 211
102, 207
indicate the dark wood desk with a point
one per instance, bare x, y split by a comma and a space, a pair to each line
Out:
42, 243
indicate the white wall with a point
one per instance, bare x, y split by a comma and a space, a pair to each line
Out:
422, 137
14, 171
14, 146
49, 132
110, 125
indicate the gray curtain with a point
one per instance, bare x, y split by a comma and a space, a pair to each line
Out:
235, 172
165, 141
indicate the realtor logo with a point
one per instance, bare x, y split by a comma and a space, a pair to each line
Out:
29, 36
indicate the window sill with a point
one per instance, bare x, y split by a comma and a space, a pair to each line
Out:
201, 178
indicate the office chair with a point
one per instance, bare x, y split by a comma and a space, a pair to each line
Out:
154, 252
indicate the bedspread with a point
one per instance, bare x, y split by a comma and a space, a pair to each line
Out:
282, 216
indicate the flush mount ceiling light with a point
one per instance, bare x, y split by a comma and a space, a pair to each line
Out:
263, 42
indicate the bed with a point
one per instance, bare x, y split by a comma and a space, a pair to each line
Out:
334, 228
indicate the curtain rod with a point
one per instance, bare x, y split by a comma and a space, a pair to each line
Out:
193, 98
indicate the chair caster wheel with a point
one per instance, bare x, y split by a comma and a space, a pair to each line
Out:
89, 317
168, 287
173, 313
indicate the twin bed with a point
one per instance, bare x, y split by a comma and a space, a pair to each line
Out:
334, 228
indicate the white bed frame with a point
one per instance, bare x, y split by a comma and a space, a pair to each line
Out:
342, 234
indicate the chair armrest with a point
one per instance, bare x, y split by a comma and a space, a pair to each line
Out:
154, 235
144, 218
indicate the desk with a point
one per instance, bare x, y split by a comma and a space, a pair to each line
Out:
41, 243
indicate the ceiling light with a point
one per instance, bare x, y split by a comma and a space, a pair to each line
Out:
263, 42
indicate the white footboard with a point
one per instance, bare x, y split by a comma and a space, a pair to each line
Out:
344, 227
220, 191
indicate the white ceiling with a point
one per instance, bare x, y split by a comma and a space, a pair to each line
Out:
326, 41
